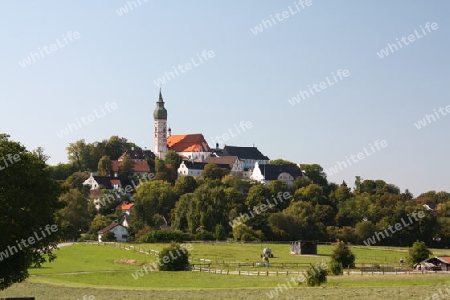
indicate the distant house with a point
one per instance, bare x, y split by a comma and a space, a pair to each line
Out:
192, 168
235, 165
430, 206
109, 183
267, 173
98, 182
189, 146
140, 166
437, 263
120, 232
248, 155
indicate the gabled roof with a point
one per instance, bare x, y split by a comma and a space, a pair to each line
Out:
194, 165
271, 172
225, 160
138, 166
243, 152
106, 181
188, 143
109, 227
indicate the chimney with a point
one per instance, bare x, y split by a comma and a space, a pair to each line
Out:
217, 145
169, 132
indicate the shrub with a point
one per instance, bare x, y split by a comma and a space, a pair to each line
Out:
336, 268
167, 236
108, 237
219, 232
174, 258
204, 236
316, 274
343, 255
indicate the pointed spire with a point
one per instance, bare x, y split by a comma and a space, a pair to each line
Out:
160, 111
160, 96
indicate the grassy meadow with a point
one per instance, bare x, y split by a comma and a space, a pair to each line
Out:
90, 270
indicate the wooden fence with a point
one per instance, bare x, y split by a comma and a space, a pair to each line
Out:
225, 267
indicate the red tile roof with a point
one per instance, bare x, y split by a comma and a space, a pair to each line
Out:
445, 258
139, 166
126, 206
188, 143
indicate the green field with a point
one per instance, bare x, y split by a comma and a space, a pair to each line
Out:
89, 270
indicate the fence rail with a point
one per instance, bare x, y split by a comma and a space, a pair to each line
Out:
225, 267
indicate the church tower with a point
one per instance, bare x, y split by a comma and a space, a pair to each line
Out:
160, 116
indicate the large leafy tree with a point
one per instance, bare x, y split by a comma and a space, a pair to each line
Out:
214, 171
85, 156
418, 252
29, 198
104, 166
281, 161
315, 173
126, 168
151, 198
74, 217
172, 158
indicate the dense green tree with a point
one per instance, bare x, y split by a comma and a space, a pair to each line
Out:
29, 198
172, 158
342, 254
104, 166
364, 230
280, 161
126, 168
78, 154
244, 232
184, 185
297, 222
313, 194
301, 181
74, 217
418, 252
75, 181
154, 197
213, 171
179, 215
85, 156
98, 223
62, 171
315, 173
236, 181
219, 232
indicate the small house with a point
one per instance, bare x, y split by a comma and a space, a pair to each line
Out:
120, 232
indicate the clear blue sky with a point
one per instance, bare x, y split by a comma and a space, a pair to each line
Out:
250, 78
